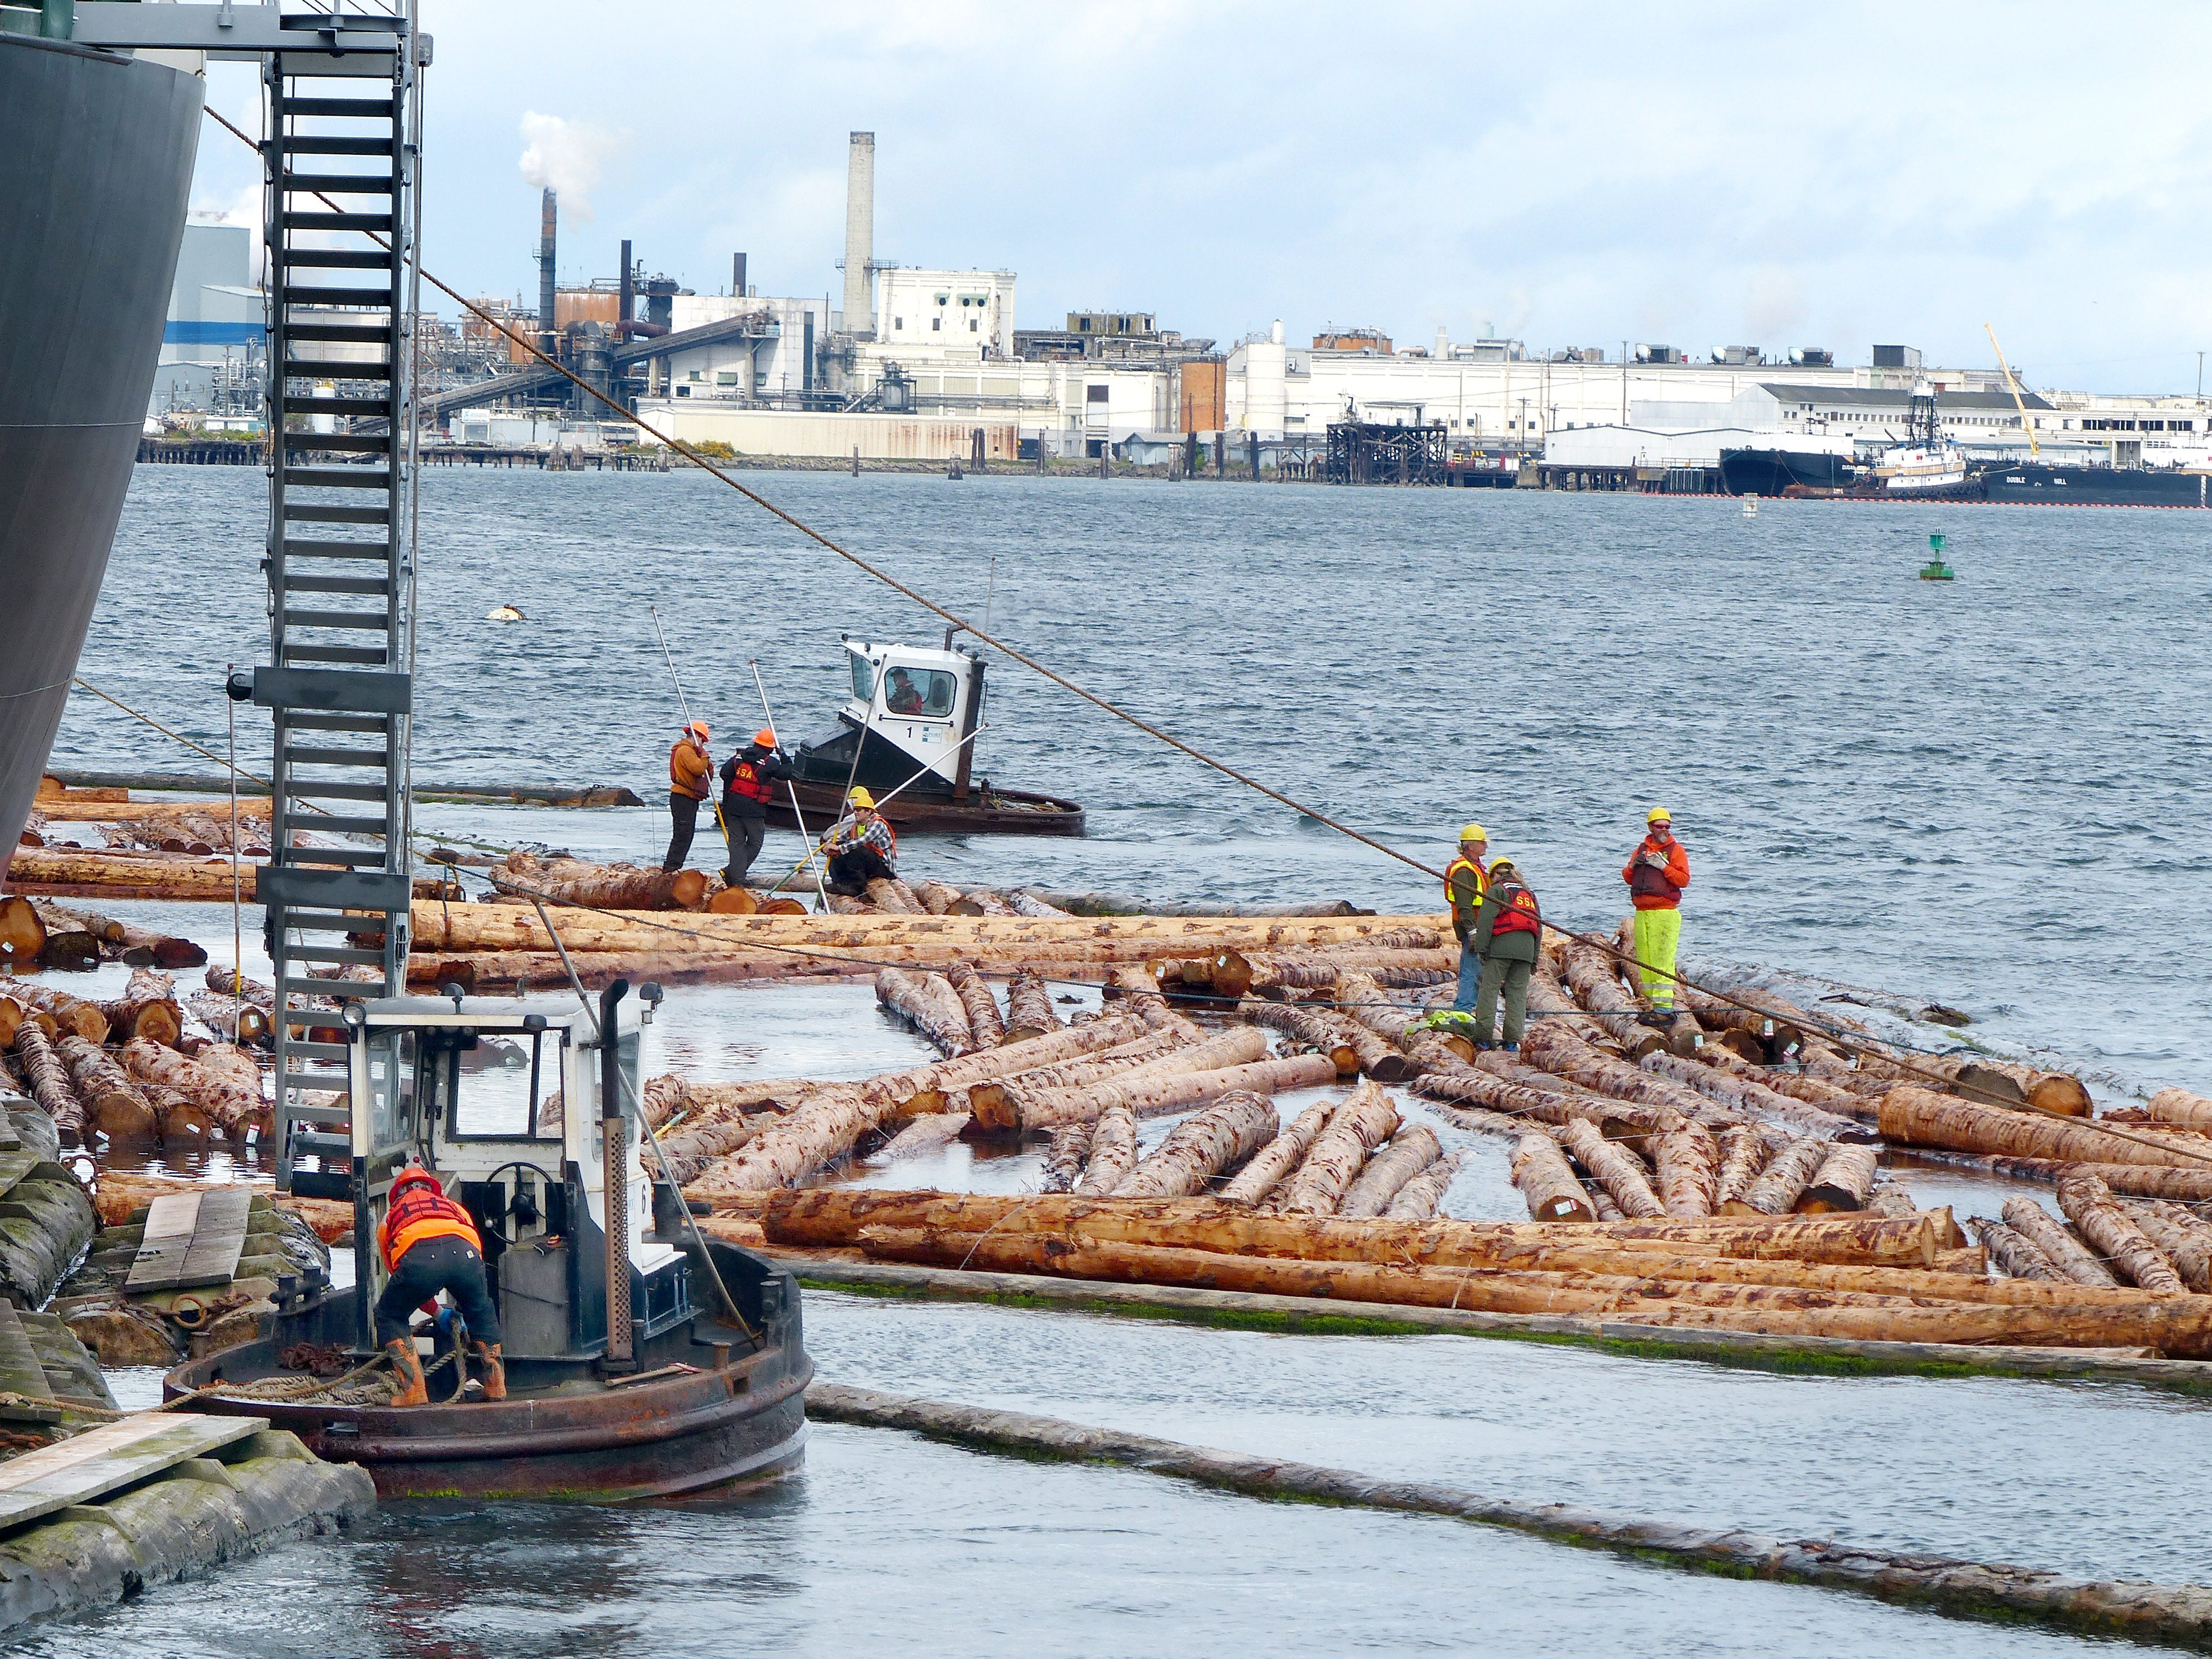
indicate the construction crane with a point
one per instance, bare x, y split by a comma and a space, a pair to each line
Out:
2034, 449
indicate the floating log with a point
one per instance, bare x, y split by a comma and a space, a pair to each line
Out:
2188, 1250
832, 1120
734, 902
894, 898
238, 1022
685, 1153
2004, 1083
85, 1020
1593, 976
1366, 1001
2180, 1326
988, 1030
922, 1136
1362, 1122
1232, 1129
113, 1103
47, 1078
1783, 1182
2127, 1179
1813, 1090
70, 943
1844, 1178
1618, 1171
1560, 1052
1753, 1098
1687, 1162
1189, 1075
1113, 1152
1030, 1011
940, 1018
1914, 1116
1305, 1026
11, 1018
216, 1093
1065, 1157
2181, 1108
1423, 1195
2065, 1252
155, 1018
2014, 1252
1547, 1182
2089, 1205
607, 887
832, 1216
992, 1101
74, 872
1410, 1150
937, 898
1273, 1163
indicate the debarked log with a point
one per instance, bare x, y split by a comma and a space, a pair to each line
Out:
1363, 1121
1173, 1084
1201, 1147
2180, 1326
1423, 1195
215, 1093
1913, 1116
1273, 1163
832, 1216
1113, 1152
1547, 1182
115, 1105
1410, 1150
2065, 1252
989, 1029
2089, 1205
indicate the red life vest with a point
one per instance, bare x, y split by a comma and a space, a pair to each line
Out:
1516, 914
745, 779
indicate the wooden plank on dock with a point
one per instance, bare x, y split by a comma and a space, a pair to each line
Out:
192, 1238
106, 1459
20, 1371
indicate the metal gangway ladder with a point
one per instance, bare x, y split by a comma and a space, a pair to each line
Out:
339, 159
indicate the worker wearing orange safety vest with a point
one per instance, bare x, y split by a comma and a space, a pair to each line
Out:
429, 1244
1465, 883
1656, 872
690, 767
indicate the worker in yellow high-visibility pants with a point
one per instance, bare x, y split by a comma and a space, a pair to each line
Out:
1656, 872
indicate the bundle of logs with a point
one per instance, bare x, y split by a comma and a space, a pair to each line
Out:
145, 1066
39, 933
1878, 1277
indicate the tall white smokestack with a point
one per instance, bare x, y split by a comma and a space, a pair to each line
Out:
860, 235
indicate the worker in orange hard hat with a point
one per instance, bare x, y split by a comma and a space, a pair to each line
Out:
1656, 872
429, 1244
749, 778
690, 765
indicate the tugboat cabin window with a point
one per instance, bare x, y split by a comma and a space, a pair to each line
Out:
921, 693
488, 1087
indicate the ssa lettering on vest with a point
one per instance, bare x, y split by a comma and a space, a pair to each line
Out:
1519, 913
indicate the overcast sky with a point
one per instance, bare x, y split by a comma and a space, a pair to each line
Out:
1692, 175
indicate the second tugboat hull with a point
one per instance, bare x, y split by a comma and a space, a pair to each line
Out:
986, 812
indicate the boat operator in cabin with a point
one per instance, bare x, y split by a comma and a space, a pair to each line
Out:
429, 1245
902, 696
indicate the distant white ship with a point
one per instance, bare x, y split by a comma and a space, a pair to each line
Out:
1929, 463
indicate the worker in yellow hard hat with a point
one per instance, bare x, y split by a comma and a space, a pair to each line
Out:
1656, 872
690, 768
1466, 879
862, 846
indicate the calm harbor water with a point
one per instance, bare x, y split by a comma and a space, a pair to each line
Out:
1987, 794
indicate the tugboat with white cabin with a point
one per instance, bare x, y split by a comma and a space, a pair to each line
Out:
907, 735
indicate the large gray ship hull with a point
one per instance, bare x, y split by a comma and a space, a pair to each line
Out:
95, 170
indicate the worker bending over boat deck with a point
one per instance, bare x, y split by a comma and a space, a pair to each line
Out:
861, 846
1508, 932
1656, 872
749, 779
429, 1245
690, 765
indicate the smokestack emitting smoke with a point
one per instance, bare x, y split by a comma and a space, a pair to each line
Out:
548, 333
860, 235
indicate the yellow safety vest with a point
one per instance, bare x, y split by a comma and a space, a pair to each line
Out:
1452, 895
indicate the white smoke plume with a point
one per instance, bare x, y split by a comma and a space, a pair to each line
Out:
566, 156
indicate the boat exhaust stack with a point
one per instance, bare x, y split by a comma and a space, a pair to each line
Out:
614, 1132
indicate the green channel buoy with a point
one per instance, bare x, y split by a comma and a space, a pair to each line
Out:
1935, 570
